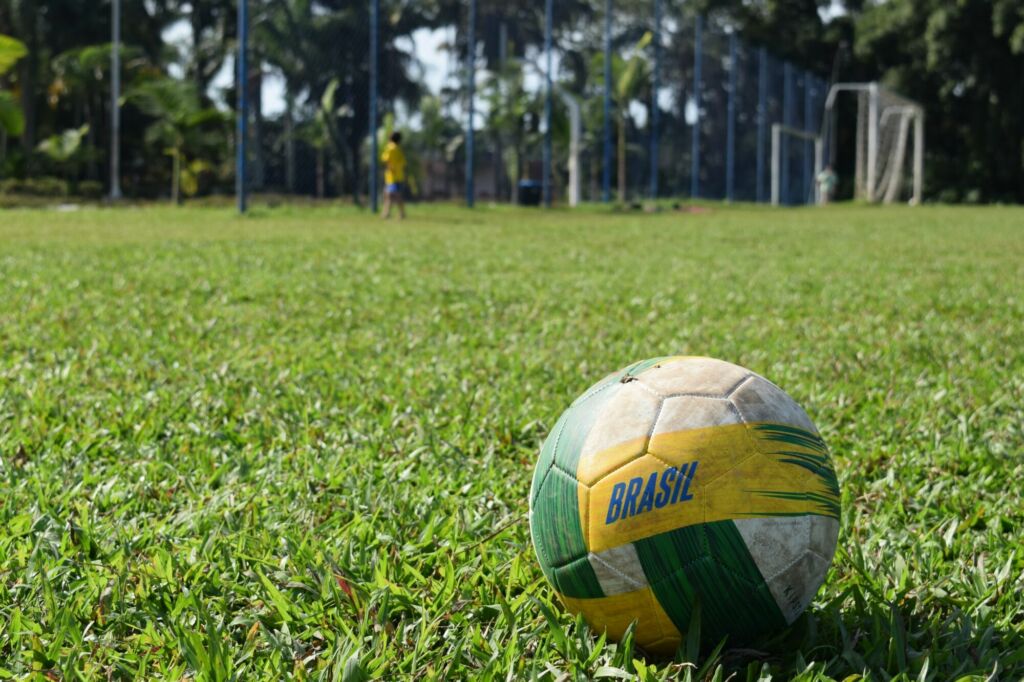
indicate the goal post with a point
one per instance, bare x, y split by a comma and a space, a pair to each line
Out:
778, 131
885, 121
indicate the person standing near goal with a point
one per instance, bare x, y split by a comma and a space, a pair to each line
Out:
827, 181
394, 162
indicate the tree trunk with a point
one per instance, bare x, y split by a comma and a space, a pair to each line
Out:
289, 139
176, 178
351, 165
91, 170
496, 160
27, 81
517, 171
319, 172
622, 159
256, 93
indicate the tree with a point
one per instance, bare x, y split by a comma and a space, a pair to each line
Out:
212, 24
323, 130
81, 76
630, 78
963, 61
510, 110
178, 126
810, 41
12, 122
313, 41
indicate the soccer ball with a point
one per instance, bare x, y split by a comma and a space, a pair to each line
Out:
685, 481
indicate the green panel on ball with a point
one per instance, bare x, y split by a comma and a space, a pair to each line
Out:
558, 537
709, 562
555, 522
578, 580
547, 456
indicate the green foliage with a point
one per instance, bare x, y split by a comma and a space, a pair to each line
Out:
510, 108
11, 118
300, 445
963, 61
80, 72
631, 77
90, 189
11, 50
42, 186
435, 140
191, 174
182, 126
63, 148
66, 151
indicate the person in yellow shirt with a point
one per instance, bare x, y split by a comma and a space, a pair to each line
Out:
393, 159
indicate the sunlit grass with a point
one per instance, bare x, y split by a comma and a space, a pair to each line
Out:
300, 443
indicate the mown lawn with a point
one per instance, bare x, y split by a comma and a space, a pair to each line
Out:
300, 443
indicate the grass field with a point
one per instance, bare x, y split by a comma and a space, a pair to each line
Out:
300, 443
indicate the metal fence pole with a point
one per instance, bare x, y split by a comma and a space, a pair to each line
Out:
471, 90
241, 187
374, 65
730, 130
808, 127
115, 101
787, 119
762, 118
655, 85
776, 148
548, 85
695, 149
918, 157
606, 177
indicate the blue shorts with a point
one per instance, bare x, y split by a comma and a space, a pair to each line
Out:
393, 188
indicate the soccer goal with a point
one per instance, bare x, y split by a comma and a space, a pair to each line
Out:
884, 121
781, 134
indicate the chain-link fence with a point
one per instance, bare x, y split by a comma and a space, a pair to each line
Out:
689, 115
580, 100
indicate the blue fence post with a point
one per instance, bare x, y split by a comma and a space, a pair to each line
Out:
241, 187
655, 85
809, 128
730, 129
546, 171
374, 56
471, 91
762, 118
606, 176
787, 119
695, 147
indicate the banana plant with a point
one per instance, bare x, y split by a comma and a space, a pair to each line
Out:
322, 132
179, 117
629, 77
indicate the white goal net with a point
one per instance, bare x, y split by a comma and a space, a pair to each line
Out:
885, 123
